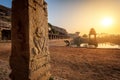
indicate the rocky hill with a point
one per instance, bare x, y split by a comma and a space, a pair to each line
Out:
5, 14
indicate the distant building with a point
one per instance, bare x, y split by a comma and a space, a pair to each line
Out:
5, 26
57, 32
5, 23
74, 35
93, 40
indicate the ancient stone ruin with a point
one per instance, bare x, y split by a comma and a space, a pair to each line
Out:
57, 32
54, 32
30, 57
92, 41
5, 23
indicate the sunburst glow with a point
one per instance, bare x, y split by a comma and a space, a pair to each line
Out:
107, 22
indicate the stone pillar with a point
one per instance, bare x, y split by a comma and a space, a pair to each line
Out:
0, 34
52, 37
30, 57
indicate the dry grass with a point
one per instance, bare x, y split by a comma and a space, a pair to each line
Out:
74, 63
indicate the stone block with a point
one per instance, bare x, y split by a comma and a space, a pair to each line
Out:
30, 56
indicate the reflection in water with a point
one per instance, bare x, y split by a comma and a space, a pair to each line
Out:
103, 45
108, 45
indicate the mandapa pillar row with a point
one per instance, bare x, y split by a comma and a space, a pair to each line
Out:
30, 57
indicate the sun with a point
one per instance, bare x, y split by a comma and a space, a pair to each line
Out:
107, 22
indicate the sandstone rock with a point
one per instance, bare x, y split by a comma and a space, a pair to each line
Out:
30, 56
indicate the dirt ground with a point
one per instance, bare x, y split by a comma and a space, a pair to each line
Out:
74, 63
85, 64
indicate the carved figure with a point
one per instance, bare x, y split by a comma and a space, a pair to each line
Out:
39, 40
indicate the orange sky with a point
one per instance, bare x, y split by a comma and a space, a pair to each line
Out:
81, 15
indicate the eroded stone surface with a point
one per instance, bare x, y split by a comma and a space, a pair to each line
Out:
30, 56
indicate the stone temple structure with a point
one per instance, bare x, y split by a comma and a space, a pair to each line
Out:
92, 40
30, 57
55, 32
5, 23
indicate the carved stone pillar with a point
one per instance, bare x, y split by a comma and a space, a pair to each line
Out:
30, 57
0, 34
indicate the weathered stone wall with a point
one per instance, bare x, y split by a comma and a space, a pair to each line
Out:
30, 57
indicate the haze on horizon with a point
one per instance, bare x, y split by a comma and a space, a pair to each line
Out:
81, 15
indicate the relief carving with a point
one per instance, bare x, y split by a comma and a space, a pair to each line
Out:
39, 41
38, 63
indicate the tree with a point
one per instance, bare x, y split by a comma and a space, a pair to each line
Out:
85, 35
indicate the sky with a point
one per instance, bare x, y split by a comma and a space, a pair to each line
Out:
6, 3
82, 15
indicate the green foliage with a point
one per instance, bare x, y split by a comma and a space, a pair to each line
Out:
77, 41
85, 35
